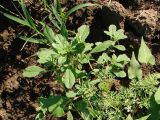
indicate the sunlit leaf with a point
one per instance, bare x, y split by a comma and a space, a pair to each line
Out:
69, 116
68, 78
32, 71
134, 70
45, 55
83, 32
33, 40
145, 55
53, 104
102, 46
157, 96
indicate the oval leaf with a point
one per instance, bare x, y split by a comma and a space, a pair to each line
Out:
145, 55
68, 78
102, 46
32, 71
134, 70
83, 33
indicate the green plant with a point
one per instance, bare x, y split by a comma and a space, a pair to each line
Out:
88, 90
66, 60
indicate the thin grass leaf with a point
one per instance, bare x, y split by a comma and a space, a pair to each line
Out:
78, 7
27, 16
56, 15
54, 22
9, 11
55, 4
16, 19
33, 40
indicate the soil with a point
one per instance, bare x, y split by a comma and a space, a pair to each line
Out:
19, 96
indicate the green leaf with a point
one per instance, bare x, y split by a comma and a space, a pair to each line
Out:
83, 33
120, 47
79, 48
62, 59
123, 58
144, 118
103, 58
48, 33
32, 71
115, 34
134, 70
88, 47
78, 7
62, 46
112, 30
102, 46
119, 35
105, 85
129, 117
16, 19
40, 116
27, 16
71, 94
56, 15
157, 96
69, 116
33, 40
145, 55
68, 78
54, 22
56, 111
120, 73
45, 55
53, 104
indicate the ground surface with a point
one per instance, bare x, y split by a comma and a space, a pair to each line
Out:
18, 99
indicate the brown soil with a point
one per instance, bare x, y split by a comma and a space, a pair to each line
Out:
19, 96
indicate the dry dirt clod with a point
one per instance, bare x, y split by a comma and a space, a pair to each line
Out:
3, 115
143, 22
11, 83
6, 37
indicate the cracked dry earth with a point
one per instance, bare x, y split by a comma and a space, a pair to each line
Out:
19, 96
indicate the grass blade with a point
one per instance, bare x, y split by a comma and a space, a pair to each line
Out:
16, 19
33, 40
27, 16
54, 22
56, 15
78, 7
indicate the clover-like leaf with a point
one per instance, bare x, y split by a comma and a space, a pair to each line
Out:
134, 70
32, 71
145, 55
68, 78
